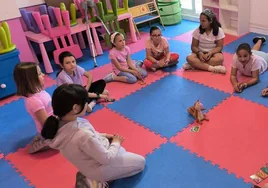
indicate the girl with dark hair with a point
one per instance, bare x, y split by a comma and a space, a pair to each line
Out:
207, 44
157, 51
73, 74
99, 157
249, 62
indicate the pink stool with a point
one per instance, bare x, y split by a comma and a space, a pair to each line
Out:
58, 32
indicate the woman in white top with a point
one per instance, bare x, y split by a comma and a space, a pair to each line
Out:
207, 45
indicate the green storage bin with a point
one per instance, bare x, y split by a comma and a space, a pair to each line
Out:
170, 11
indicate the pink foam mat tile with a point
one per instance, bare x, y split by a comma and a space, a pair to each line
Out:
119, 90
137, 138
1, 155
235, 137
45, 169
48, 81
186, 37
213, 80
101, 72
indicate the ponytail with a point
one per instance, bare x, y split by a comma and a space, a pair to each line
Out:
50, 128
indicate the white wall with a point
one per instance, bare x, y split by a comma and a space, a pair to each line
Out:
258, 16
28, 3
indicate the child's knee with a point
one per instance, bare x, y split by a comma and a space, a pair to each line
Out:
144, 73
131, 79
174, 57
140, 163
148, 64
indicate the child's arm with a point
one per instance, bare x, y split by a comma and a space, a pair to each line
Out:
89, 79
218, 49
150, 57
167, 52
119, 67
95, 149
233, 79
41, 116
133, 68
254, 80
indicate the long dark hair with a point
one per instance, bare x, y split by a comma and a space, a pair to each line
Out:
63, 100
215, 24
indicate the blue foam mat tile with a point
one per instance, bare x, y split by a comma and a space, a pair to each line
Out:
9, 178
253, 94
183, 49
175, 30
171, 166
231, 48
17, 126
165, 102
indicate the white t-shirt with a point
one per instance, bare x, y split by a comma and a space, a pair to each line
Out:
207, 42
255, 63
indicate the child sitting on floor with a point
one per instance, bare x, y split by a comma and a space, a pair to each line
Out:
99, 157
72, 73
30, 84
124, 69
157, 51
250, 63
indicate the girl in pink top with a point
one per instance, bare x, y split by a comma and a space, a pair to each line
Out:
250, 63
124, 70
30, 84
207, 44
157, 51
99, 157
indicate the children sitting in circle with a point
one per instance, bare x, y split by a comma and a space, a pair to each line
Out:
100, 158
72, 73
157, 51
29, 80
249, 62
207, 45
124, 69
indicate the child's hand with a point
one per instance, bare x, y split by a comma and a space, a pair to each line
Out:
118, 138
241, 87
264, 92
208, 56
167, 61
202, 57
137, 74
236, 88
161, 63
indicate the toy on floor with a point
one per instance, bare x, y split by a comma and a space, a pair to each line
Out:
196, 112
261, 175
6, 44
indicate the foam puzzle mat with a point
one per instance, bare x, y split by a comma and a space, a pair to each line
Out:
154, 120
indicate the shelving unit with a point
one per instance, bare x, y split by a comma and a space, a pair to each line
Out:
232, 14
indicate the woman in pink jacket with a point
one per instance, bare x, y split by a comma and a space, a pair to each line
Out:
98, 157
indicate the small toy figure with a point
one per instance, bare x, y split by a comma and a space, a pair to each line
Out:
196, 112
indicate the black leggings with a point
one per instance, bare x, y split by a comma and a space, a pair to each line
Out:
96, 87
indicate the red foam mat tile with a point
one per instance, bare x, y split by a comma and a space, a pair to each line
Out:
235, 137
119, 90
43, 170
137, 138
213, 80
